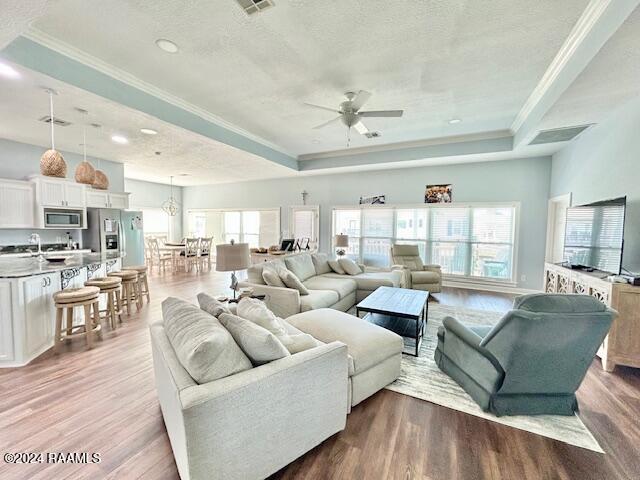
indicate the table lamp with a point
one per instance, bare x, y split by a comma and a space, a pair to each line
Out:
342, 242
231, 258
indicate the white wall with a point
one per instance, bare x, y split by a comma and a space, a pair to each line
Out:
523, 180
603, 163
153, 195
19, 160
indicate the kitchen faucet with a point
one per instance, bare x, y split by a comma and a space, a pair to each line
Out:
35, 239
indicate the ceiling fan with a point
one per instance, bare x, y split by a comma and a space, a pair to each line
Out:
351, 115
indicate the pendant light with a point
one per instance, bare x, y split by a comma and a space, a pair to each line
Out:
171, 205
85, 173
52, 163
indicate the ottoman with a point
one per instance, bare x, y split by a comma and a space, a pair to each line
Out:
375, 353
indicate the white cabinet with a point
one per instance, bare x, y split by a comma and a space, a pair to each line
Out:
102, 199
54, 192
39, 312
6, 324
16, 204
97, 198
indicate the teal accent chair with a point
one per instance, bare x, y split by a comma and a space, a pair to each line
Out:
533, 360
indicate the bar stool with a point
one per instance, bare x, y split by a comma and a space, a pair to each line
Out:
110, 286
143, 284
129, 288
70, 298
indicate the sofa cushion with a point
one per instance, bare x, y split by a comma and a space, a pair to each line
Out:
407, 255
344, 286
318, 299
369, 281
335, 266
321, 263
349, 266
301, 265
272, 278
367, 344
292, 281
254, 272
211, 305
204, 347
259, 344
425, 277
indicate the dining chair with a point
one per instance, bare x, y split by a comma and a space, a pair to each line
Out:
205, 252
157, 258
190, 254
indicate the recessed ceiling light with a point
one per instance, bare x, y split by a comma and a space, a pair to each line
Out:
148, 131
8, 71
119, 139
167, 45
453, 121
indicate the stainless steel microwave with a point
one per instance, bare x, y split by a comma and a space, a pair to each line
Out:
55, 218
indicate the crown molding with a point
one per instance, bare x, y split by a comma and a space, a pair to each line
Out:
67, 50
405, 145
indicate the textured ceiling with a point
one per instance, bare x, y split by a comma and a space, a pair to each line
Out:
437, 60
23, 102
611, 79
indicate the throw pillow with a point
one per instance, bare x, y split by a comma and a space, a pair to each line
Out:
335, 266
206, 350
211, 305
301, 266
291, 281
349, 266
272, 278
257, 312
259, 344
320, 262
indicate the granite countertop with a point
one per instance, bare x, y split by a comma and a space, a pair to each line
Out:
26, 267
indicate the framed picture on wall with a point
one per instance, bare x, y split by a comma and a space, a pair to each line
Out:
442, 193
373, 199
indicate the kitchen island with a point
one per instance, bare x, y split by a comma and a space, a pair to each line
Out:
27, 309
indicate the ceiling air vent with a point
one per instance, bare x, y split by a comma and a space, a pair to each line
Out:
373, 134
56, 121
255, 6
555, 135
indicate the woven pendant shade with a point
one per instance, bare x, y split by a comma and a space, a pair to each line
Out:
52, 164
85, 173
101, 181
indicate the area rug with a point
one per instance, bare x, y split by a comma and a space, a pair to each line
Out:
421, 378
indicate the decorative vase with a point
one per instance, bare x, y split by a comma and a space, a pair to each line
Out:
101, 181
52, 164
85, 173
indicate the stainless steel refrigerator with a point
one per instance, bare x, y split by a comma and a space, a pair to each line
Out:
111, 230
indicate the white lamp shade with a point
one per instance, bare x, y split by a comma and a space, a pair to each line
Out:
232, 257
342, 240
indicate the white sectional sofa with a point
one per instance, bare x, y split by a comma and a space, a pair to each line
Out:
327, 289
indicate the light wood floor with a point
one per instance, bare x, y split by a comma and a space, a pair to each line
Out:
104, 401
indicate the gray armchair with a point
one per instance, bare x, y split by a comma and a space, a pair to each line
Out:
531, 362
416, 275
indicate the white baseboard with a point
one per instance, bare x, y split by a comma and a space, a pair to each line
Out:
489, 287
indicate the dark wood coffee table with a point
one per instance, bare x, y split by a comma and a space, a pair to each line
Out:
400, 310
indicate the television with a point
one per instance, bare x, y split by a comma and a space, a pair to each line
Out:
594, 236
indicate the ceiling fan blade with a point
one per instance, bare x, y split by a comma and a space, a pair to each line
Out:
360, 99
361, 128
334, 110
381, 113
326, 123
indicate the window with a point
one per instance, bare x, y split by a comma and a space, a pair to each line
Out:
258, 228
466, 240
304, 223
155, 222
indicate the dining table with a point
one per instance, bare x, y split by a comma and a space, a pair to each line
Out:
175, 249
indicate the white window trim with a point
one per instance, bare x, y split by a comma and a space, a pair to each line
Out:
224, 210
457, 278
316, 227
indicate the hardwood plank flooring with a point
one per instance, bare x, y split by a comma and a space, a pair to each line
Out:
103, 400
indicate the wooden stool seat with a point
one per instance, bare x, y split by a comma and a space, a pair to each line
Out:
104, 282
139, 268
124, 274
76, 295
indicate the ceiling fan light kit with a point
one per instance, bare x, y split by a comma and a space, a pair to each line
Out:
349, 112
